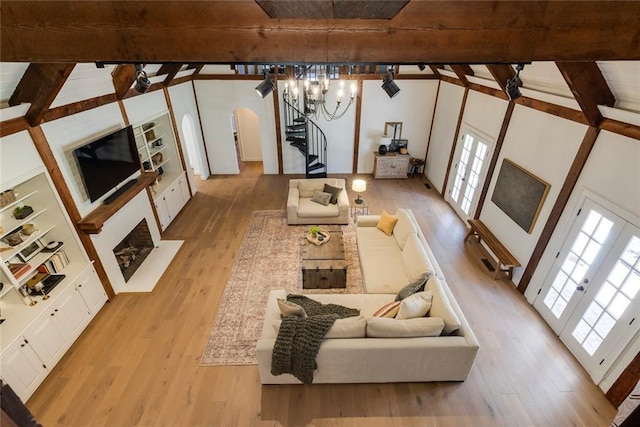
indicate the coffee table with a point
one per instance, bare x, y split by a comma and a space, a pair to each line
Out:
324, 266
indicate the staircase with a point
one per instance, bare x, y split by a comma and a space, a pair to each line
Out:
305, 135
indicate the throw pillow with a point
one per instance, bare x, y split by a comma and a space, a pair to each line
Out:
407, 328
288, 308
416, 305
386, 223
415, 259
334, 191
321, 197
441, 306
349, 327
307, 186
413, 287
388, 310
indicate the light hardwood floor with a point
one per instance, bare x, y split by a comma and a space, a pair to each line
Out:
137, 362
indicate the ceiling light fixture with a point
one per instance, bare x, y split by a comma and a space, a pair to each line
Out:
514, 84
142, 82
266, 86
389, 86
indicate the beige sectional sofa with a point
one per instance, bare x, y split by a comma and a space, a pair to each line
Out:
301, 210
365, 352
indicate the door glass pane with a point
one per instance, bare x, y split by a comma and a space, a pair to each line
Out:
474, 177
632, 252
632, 284
461, 170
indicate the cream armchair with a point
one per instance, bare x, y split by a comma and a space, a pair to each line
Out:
301, 210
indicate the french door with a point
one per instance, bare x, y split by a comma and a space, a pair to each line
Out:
592, 298
467, 174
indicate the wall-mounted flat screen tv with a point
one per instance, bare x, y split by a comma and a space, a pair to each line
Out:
107, 162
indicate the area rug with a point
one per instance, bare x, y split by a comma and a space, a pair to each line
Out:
268, 258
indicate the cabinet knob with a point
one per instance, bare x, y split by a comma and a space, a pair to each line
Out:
56, 310
79, 286
22, 345
53, 314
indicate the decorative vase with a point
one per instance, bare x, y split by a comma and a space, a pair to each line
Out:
382, 149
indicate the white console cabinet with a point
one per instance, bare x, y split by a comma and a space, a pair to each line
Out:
171, 201
22, 368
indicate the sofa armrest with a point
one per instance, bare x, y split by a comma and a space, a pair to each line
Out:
343, 203
368, 220
292, 202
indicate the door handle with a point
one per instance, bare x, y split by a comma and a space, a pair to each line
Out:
580, 288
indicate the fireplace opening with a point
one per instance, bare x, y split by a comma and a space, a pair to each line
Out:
133, 249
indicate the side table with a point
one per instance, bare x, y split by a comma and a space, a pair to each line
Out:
359, 208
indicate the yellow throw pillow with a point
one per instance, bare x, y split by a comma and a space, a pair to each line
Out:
386, 223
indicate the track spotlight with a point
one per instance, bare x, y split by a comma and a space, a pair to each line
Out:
421, 67
389, 85
266, 86
142, 82
514, 84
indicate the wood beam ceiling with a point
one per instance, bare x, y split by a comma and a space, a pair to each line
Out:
197, 67
39, 86
589, 88
170, 70
332, 9
123, 77
236, 32
501, 73
462, 71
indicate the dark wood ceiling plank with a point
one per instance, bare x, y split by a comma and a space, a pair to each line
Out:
435, 69
589, 88
462, 71
123, 77
336, 9
501, 73
170, 70
39, 85
232, 32
196, 66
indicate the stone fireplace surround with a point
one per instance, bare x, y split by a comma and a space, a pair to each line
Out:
116, 228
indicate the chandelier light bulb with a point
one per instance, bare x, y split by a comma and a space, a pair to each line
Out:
353, 90
340, 93
306, 84
295, 93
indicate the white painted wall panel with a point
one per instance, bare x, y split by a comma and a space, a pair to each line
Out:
68, 133
144, 107
442, 134
10, 75
413, 106
544, 145
85, 81
183, 101
217, 100
623, 78
19, 159
484, 113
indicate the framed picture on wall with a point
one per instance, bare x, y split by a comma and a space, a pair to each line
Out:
519, 194
30, 251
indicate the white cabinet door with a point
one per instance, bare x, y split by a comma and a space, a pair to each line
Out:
163, 211
71, 313
47, 339
91, 291
175, 200
184, 186
22, 369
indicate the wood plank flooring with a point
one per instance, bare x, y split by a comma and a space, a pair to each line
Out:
137, 363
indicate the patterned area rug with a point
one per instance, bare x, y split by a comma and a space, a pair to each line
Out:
269, 258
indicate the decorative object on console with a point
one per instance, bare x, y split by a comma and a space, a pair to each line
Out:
28, 229
22, 211
359, 186
382, 149
7, 197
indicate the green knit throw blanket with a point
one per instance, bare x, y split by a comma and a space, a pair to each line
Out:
299, 339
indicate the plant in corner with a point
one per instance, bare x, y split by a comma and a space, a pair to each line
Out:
22, 211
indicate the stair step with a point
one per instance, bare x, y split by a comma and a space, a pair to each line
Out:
315, 166
298, 127
317, 175
294, 138
312, 158
298, 133
300, 146
301, 119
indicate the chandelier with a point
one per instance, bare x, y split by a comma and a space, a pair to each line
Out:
312, 84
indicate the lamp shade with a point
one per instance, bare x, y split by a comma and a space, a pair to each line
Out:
359, 185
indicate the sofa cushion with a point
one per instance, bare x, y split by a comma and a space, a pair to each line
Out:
349, 327
288, 308
381, 327
306, 187
388, 310
415, 259
441, 307
321, 197
309, 209
334, 191
380, 262
404, 228
386, 223
417, 305
413, 287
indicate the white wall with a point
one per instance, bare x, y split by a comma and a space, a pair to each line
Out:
19, 159
443, 132
85, 81
183, 101
70, 132
217, 100
141, 108
484, 113
413, 106
545, 146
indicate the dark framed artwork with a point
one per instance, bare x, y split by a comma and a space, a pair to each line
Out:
519, 194
30, 251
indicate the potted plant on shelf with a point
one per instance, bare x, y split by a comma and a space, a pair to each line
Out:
22, 211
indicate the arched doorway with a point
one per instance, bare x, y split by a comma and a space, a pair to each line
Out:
195, 151
246, 128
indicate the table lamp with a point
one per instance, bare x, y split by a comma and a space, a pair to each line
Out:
359, 186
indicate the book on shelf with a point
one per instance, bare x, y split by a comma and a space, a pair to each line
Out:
57, 262
19, 269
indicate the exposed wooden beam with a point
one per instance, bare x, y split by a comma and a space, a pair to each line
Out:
232, 32
462, 71
570, 181
358, 124
621, 128
625, 383
589, 88
332, 9
78, 107
501, 73
11, 126
435, 69
39, 85
197, 67
170, 70
455, 141
123, 77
